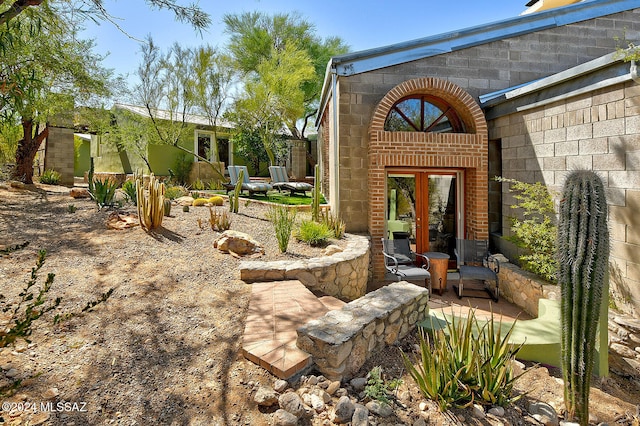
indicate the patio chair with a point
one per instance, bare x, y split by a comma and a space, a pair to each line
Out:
247, 185
280, 181
400, 260
476, 263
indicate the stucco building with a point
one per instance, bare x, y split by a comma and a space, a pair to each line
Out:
412, 134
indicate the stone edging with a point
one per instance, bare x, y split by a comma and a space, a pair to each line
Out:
341, 341
524, 288
343, 275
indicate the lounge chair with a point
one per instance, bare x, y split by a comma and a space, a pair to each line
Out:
476, 263
400, 261
247, 185
280, 181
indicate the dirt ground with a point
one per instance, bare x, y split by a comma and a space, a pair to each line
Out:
164, 348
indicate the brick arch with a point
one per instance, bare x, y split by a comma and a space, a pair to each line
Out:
467, 108
455, 151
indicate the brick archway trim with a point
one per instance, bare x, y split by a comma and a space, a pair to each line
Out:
464, 104
466, 151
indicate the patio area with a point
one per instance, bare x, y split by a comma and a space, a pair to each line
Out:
278, 308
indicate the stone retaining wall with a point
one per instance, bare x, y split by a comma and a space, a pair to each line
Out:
343, 275
341, 341
524, 288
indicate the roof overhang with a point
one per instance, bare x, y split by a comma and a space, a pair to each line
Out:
605, 71
382, 57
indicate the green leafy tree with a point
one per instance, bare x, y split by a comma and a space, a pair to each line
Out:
283, 63
45, 68
168, 91
272, 96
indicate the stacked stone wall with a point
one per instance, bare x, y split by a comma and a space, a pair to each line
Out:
341, 341
343, 275
524, 289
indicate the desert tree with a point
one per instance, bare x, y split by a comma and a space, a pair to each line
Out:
213, 78
95, 9
45, 69
286, 46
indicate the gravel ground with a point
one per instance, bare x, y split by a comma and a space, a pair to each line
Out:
164, 348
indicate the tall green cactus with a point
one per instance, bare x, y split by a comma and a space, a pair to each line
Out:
583, 263
315, 202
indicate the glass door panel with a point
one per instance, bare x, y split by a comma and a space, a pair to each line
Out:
401, 206
424, 207
442, 213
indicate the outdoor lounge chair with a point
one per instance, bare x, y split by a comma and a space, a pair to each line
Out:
400, 261
476, 263
280, 181
247, 185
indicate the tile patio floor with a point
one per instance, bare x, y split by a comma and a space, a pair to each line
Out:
278, 308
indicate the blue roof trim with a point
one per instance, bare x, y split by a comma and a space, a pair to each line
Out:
382, 57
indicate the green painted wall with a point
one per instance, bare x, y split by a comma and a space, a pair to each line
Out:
82, 160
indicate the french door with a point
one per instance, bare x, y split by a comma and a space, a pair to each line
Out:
426, 205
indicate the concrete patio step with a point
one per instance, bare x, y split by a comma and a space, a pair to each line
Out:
276, 310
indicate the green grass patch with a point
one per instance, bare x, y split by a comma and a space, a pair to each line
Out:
276, 197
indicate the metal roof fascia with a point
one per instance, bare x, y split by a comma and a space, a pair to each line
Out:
382, 57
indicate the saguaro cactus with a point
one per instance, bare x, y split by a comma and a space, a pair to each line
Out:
583, 262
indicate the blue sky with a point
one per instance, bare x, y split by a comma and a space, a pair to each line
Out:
362, 24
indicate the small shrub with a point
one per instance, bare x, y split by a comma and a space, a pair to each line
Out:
195, 195
29, 307
214, 185
50, 177
216, 201
175, 191
313, 233
198, 185
283, 220
129, 188
219, 221
537, 231
103, 192
334, 223
71, 208
376, 388
199, 202
465, 363
181, 168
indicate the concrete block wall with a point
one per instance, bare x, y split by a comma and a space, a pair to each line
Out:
60, 153
599, 131
477, 70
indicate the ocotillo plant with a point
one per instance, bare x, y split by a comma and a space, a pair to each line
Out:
315, 203
583, 259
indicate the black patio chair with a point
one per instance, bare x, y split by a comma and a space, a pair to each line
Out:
476, 263
400, 261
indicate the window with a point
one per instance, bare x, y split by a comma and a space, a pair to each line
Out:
423, 113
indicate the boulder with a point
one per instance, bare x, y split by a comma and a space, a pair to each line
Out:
266, 397
120, 221
238, 244
79, 193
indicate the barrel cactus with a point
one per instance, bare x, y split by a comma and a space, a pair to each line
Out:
583, 261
